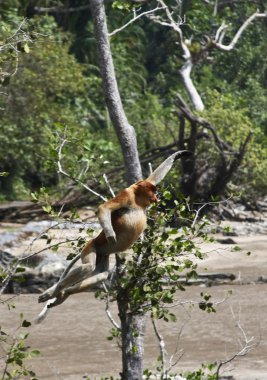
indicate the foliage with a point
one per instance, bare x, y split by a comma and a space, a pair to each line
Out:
164, 260
44, 96
233, 125
51, 90
17, 353
16, 39
206, 372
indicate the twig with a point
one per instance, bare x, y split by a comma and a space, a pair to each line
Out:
191, 302
112, 320
46, 248
61, 171
108, 184
174, 25
136, 17
12, 270
181, 352
245, 346
197, 212
161, 348
61, 9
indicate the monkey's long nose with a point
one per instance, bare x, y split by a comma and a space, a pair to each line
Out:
154, 199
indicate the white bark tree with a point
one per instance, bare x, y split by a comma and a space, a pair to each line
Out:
172, 19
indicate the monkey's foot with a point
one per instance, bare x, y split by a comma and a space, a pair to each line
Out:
47, 295
60, 298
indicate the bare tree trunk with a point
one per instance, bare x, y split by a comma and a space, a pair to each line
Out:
132, 331
195, 98
125, 132
132, 324
132, 337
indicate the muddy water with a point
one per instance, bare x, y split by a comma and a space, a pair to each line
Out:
73, 337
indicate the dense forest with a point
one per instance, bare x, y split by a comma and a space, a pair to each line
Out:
51, 90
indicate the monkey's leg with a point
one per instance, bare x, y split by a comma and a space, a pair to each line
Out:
99, 274
87, 250
74, 276
86, 284
70, 278
71, 284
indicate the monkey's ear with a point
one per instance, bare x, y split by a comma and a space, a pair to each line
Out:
163, 169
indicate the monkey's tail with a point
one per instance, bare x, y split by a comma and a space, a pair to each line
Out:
66, 271
44, 312
161, 171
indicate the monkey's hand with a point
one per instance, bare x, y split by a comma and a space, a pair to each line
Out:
111, 237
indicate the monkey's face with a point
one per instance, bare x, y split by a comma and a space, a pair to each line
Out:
145, 193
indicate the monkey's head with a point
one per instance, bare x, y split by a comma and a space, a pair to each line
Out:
145, 193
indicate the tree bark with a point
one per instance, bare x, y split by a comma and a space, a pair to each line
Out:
132, 324
185, 73
132, 330
132, 337
125, 132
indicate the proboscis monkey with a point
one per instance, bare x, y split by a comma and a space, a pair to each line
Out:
123, 220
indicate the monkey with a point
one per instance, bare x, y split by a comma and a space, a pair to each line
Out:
123, 220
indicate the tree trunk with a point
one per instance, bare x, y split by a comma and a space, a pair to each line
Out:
132, 324
132, 337
125, 132
195, 98
132, 331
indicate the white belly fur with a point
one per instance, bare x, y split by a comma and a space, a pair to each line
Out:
131, 225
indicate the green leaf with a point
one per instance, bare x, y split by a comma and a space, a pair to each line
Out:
236, 248
167, 195
26, 323
26, 48
34, 353
47, 208
20, 269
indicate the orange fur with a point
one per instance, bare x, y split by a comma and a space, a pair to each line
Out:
127, 217
123, 220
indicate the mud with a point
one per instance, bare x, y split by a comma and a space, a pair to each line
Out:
73, 338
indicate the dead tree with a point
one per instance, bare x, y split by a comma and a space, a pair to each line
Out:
200, 181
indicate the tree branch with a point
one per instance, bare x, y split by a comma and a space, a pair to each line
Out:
246, 345
112, 320
61, 171
218, 41
161, 348
135, 18
61, 9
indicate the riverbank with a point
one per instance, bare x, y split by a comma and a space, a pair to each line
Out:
73, 338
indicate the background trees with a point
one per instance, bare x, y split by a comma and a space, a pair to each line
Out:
58, 85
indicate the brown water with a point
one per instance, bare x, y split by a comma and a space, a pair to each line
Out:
73, 337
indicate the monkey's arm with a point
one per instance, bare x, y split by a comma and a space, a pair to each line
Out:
105, 210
